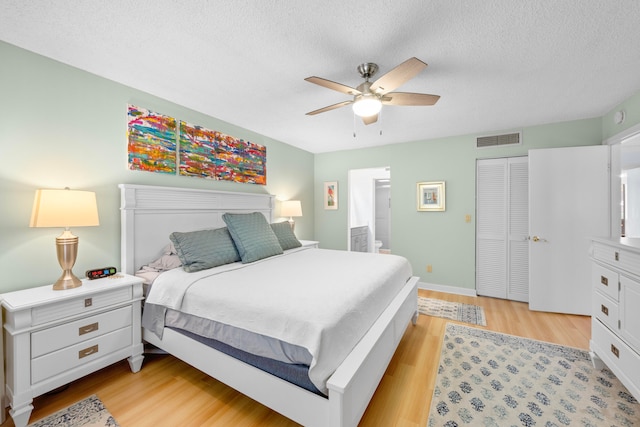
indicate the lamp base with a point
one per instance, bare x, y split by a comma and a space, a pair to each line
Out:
68, 280
67, 250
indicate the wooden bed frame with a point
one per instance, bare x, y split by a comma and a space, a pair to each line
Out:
149, 214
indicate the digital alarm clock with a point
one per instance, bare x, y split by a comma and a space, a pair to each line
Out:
99, 273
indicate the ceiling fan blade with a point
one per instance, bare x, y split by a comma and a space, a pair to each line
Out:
329, 108
370, 119
398, 76
406, 98
333, 85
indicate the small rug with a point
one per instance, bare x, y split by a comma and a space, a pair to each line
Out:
89, 412
468, 313
490, 379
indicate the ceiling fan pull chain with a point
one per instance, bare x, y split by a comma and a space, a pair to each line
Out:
354, 125
380, 121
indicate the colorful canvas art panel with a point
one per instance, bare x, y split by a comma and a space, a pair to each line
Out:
198, 147
151, 141
242, 161
215, 155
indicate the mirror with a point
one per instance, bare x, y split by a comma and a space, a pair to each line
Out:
630, 187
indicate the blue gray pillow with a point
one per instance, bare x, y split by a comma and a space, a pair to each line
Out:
285, 235
202, 249
252, 235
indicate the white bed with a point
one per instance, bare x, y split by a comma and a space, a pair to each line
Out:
150, 214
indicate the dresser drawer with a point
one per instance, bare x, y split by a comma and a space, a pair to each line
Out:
75, 306
618, 357
605, 310
605, 253
620, 258
56, 338
68, 358
605, 280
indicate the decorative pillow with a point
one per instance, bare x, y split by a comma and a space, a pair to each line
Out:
202, 249
252, 235
285, 235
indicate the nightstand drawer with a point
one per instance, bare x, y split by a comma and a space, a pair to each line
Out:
68, 358
605, 280
605, 310
56, 338
71, 307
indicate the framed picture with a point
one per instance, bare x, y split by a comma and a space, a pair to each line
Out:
331, 195
431, 196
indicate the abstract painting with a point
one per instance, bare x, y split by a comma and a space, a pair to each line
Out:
211, 154
151, 141
198, 147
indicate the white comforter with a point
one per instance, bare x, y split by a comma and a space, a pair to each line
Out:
323, 300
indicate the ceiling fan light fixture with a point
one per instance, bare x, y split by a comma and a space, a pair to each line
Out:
367, 105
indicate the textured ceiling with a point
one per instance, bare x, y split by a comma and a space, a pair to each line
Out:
497, 64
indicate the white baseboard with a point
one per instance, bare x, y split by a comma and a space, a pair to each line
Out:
447, 289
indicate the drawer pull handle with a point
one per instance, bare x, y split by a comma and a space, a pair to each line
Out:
617, 256
88, 302
88, 351
88, 328
604, 309
615, 351
604, 280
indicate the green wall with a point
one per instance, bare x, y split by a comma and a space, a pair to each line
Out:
63, 127
60, 126
442, 239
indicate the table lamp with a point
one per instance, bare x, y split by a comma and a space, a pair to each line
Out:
65, 208
291, 208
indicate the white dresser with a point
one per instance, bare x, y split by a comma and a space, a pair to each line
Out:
55, 337
615, 321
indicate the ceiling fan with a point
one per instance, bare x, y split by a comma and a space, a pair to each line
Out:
368, 97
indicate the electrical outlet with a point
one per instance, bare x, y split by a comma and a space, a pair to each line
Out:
429, 269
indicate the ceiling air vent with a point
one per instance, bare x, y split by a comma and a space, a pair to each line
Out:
497, 140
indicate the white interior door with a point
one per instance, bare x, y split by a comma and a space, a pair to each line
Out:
568, 204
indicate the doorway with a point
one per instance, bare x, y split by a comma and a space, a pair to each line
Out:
369, 210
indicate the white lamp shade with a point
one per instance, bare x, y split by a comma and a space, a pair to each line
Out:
64, 208
291, 208
367, 105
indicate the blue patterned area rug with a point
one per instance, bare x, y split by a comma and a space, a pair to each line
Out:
467, 313
89, 412
490, 379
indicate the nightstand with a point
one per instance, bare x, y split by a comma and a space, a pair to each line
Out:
55, 337
309, 243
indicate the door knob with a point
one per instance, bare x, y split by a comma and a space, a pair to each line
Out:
538, 239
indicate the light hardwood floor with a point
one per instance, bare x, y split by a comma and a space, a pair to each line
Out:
167, 392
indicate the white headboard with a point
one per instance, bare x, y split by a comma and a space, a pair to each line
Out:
149, 214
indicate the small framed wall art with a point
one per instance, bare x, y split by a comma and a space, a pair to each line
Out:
431, 196
331, 195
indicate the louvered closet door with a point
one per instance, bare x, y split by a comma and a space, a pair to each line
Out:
491, 228
518, 218
502, 228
